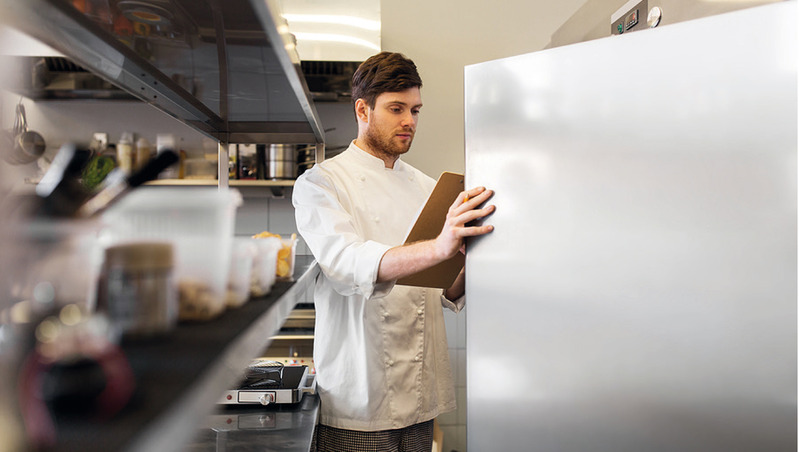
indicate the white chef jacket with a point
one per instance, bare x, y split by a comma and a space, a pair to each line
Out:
380, 350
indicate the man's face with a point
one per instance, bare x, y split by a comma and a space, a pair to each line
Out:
392, 123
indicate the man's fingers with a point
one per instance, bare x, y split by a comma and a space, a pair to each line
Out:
471, 231
474, 214
469, 200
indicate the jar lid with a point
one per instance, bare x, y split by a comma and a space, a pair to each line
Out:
140, 256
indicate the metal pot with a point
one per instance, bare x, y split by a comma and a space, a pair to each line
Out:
281, 161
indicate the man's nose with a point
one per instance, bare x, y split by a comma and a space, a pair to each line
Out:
408, 119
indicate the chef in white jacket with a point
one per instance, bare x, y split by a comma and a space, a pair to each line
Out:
380, 349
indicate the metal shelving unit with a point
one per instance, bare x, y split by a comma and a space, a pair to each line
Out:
228, 68
179, 380
214, 182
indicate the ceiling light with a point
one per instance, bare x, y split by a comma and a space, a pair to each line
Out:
329, 37
352, 21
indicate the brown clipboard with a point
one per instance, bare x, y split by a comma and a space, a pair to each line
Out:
428, 225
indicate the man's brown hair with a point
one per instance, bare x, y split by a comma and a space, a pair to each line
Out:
386, 72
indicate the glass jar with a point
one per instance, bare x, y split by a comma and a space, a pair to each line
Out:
137, 288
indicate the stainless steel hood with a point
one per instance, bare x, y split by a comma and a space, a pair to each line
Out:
227, 68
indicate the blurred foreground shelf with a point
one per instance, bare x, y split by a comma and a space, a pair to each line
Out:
180, 377
214, 182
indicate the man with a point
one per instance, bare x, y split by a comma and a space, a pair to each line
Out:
380, 349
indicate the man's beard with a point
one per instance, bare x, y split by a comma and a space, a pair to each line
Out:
383, 144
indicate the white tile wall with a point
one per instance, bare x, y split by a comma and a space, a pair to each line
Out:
453, 424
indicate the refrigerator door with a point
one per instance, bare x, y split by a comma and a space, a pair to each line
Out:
639, 290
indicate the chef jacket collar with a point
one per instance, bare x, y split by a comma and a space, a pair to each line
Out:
372, 161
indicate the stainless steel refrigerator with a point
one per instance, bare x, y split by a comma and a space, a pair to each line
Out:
639, 291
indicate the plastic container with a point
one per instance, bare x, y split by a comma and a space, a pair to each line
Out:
137, 288
264, 265
199, 222
50, 263
285, 258
240, 274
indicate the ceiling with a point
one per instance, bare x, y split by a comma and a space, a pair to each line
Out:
333, 30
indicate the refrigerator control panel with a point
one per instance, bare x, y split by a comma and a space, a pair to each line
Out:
628, 17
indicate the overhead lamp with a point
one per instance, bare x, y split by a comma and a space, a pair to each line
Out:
330, 37
351, 21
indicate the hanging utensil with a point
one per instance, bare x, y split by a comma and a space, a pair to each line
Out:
28, 145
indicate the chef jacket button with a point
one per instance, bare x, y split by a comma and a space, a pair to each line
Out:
420, 311
362, 177
377, 219
390, 363
410, 177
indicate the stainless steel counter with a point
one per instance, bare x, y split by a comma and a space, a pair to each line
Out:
284, 428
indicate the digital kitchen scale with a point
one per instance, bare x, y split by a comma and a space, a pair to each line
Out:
270, 382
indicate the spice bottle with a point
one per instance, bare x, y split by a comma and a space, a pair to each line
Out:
125, 153
142, 152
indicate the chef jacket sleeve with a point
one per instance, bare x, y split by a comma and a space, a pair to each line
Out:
454, 306
348, 261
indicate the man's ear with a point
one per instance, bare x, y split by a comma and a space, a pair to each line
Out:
362, 111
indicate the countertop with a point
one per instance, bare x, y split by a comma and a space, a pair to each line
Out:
283, 428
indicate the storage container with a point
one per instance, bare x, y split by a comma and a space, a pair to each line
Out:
199, 221
137, 290
240, 274
264, 265
285, 258
51, 263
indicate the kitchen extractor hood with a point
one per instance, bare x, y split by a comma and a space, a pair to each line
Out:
227, 68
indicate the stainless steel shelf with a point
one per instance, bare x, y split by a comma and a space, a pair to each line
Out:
180, 379
226, 68
214, 182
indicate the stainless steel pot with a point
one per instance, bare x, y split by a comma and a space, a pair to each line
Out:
281, 161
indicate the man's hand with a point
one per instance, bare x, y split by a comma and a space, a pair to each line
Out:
461, 212
406, 260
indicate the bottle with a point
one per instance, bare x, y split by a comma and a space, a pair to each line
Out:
167, 141
232, 165
142, 152
125, 153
